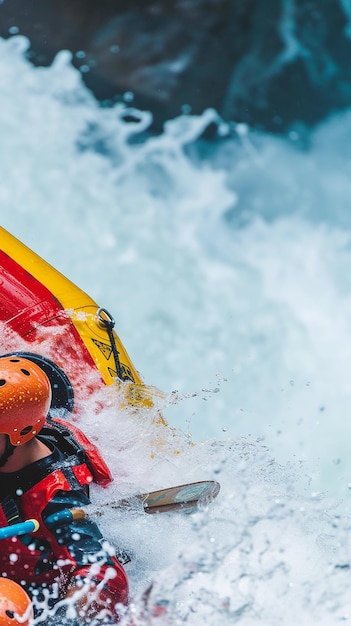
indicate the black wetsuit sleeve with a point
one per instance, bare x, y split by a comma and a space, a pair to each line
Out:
86, 546
82, 538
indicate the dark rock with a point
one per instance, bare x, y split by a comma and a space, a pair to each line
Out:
269, 63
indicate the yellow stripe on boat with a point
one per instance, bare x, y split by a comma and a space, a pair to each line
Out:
83, 313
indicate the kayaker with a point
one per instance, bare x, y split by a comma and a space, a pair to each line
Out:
44, 468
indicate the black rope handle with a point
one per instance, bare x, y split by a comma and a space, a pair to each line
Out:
108, 321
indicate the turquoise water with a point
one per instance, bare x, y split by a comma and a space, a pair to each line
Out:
227, 269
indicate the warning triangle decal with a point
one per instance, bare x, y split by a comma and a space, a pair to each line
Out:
112, 372
126, 373
105, 348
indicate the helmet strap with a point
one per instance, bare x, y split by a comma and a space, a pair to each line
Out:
9, 449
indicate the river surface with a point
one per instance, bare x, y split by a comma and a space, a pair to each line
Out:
227, 268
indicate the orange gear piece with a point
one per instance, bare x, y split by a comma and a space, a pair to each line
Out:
25, 397
15, 605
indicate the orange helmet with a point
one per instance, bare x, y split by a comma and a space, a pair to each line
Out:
15, 606
25, 397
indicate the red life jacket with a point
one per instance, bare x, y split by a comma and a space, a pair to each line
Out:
82, 446
39, 558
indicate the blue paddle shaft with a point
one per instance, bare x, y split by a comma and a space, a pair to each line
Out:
32, 525
60, 517
29, 526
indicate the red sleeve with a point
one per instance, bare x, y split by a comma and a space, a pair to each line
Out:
111, 581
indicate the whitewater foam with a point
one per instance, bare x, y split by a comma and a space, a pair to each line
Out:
227, 269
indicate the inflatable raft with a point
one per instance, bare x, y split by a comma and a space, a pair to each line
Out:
76, 339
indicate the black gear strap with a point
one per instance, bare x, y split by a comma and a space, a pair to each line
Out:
9, 448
